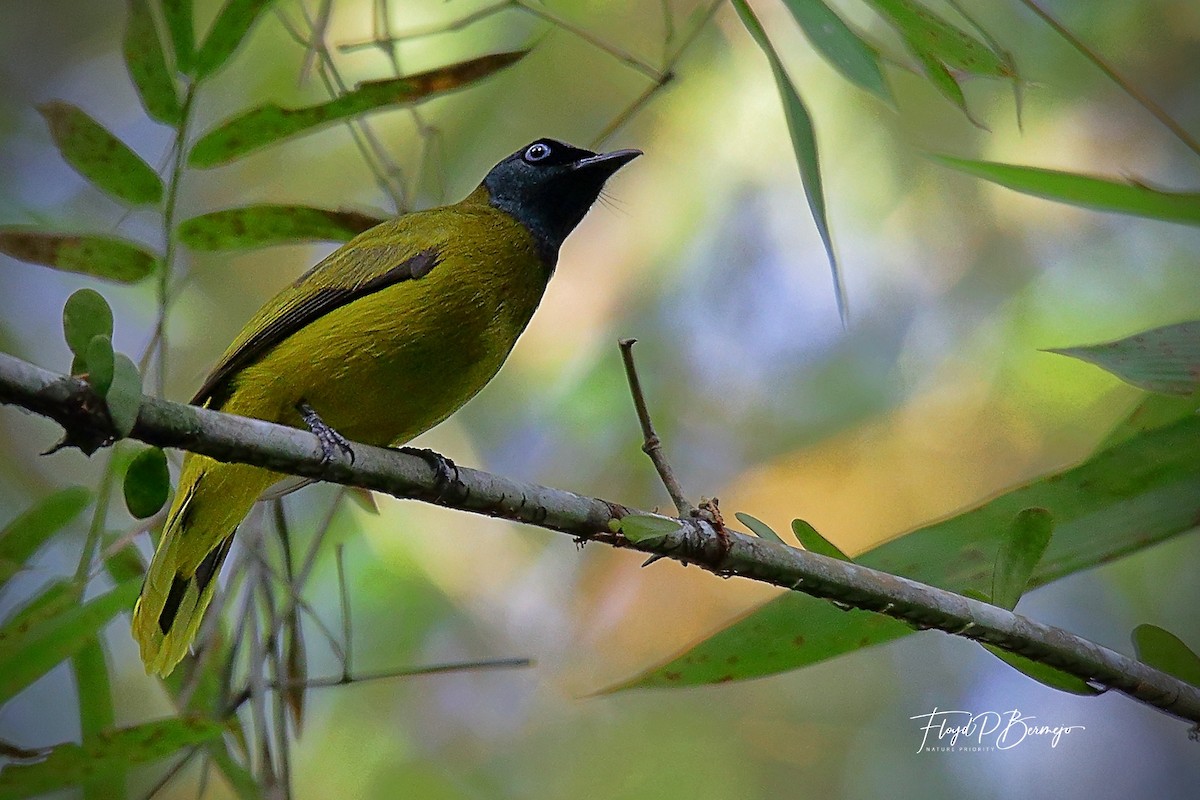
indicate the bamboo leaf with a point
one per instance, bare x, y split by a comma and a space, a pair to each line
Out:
837, 42
1132, 495
1019, 554
804, 143
263, 225
1165, 360
148, 66
760, 529
814, 542
22, 537
96, 715
147, 483
228, 31
1164, 650
103, 257
53, 640
270, 124
86, 315
1085, 190
99, 156
182, 27
108, 753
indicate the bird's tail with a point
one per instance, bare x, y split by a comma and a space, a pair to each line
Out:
212, 500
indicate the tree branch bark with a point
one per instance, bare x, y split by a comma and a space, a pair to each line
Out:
71, 402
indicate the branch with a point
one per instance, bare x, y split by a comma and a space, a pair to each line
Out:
71, 402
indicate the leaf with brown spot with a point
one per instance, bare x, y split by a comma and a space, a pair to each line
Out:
272, 123
1165, 359
147, 65
264, 225
227, 33
104, 257
101, 157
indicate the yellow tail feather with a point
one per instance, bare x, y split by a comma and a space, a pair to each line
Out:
212, 500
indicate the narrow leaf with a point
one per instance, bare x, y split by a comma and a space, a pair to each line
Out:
125, 395
227, 33
148, 66
1019, 554
22, 537
1165, 360
804, 143
929, 35
100, 156
111, 752
96, 716
103, 257
182, 27
1085, 190
643, 527
815, 542
849, 54
51, 601
1164, 650
86, 315
760, 529
269, 124
59, 638
1127, 497
263, 225
147, 483
99, 364
1043, 673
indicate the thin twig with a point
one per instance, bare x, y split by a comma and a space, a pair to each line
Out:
347, 632
1140, 97
652, 445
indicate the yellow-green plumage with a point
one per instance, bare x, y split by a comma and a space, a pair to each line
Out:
380, 359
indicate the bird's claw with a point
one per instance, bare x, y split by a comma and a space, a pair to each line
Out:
327, 436
445, 471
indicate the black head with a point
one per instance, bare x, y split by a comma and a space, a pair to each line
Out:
549, 187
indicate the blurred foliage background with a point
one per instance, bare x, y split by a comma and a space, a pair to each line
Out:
935, 397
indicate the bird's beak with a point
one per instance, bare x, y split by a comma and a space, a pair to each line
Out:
606, 163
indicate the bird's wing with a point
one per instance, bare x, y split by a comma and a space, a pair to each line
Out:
370, 262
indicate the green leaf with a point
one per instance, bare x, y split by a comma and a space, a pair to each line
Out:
1043, 673
1085, 190
148, 66
147, 483
1135, 494
228, 31
644, 528
263, 225
1165, 651
99, 363
50, 601
269, 124
125, 395
86, 315
240, 779
101, 157
124, 564
50, 642
182, 27
104, 257
111, 752
96, 715
849, 54
930, 36
816, 543
760, 529
1154, 412
1019, 554
1165, 360
22, 537
804, 143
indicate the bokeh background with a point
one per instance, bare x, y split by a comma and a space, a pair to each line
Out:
936, 397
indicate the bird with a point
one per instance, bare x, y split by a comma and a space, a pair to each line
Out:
377, 343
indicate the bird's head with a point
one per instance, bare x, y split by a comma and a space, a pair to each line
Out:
550, 185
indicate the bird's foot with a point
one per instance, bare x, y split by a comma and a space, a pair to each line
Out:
445, 472
329, 438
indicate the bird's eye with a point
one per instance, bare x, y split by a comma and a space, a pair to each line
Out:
537, 152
